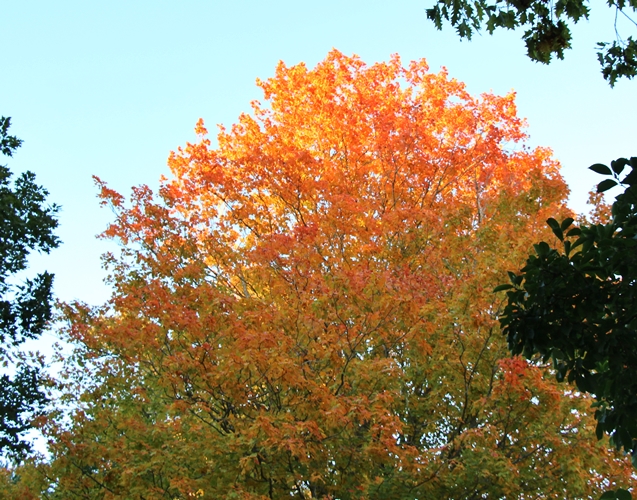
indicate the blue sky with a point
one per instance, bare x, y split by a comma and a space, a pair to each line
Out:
110, 88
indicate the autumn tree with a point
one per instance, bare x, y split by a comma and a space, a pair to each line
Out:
305, 309
27, 224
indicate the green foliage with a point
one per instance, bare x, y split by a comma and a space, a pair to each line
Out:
578, 307
618, 59
26, 224
8, 143
619, 494
546, 28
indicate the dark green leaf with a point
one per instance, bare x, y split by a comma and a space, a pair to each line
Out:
623, 494
608, 495
618, 165
606, 185
500, 288
542, 249
555, 226
513, 277
601, 169
599, 431
631, 178
567, 247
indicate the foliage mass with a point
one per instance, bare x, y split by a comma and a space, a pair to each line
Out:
305, 310
26, 224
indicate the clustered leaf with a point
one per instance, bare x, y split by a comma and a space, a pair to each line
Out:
26, 224
8, 143
577, 306
546, 28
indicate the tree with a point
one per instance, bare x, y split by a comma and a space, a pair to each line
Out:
546, 26
26, 224
305, 310
577, 306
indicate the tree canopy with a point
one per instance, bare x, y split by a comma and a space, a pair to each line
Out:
305, 310
577, 306
27, 223
546, 27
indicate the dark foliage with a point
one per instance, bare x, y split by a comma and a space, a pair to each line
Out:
578, 306
26, 224
546, 27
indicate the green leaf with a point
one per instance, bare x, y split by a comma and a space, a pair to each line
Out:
601, 169
630, 178
618, 165
599, 431
576, 231
542, 248
500, 288
552, 223
608, 495
623, 494
555, 226
606, 185
566, 223
515, 279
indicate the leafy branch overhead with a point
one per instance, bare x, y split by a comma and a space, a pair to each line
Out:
578, 306
547, 31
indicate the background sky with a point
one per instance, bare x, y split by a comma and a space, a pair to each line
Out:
110, 88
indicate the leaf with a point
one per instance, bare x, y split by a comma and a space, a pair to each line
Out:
606, 185
542, 249
516, 279
567, 247
631, 178
618, 165
609, 495
601, 169
500, 288
555, 226
623, 494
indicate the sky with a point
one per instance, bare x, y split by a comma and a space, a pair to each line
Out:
110, 88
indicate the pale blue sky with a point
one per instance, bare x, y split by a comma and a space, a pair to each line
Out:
110, 88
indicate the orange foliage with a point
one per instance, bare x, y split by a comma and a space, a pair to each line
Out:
306, 310
601, 212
